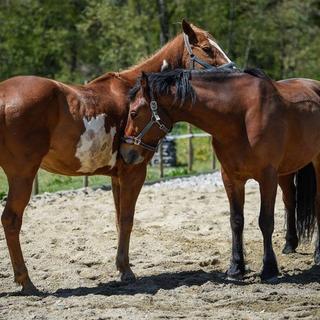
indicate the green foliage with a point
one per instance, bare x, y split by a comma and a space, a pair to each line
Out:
77, 40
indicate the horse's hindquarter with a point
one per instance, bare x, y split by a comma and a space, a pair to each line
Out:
303, 136
27, 113
302, 98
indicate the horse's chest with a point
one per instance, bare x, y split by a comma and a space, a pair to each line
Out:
95, 146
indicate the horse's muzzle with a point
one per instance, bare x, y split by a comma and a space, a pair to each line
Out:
130, 155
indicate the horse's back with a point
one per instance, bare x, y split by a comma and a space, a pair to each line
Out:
299, 89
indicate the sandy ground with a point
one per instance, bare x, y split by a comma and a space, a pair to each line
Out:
180, 249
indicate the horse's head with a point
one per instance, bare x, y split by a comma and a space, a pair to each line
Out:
147, 124
201, 49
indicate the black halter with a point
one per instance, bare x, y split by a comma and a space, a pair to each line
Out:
194, 59
155, 119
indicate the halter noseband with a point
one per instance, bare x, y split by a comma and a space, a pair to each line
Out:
155, 119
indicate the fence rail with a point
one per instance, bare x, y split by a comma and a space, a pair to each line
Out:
190, 136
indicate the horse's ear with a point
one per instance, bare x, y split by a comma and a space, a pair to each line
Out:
144, 82
187, 29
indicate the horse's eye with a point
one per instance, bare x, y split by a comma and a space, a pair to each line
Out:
133, 114
207, 49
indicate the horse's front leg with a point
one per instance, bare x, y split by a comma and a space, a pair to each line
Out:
268, 183
126, 190
235, 192
288, 188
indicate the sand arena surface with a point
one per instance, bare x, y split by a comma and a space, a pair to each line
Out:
180, 249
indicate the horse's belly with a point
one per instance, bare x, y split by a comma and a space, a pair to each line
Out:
302, 145
82, 153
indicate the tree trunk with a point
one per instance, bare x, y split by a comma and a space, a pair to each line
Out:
164, 21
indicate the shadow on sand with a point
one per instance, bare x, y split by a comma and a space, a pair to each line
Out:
167, 281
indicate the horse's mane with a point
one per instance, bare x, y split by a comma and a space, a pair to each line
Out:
256, 72
161, 82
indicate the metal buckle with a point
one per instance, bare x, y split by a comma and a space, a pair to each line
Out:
153, 105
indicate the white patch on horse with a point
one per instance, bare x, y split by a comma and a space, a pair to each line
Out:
218, 47
94, 149
165, 65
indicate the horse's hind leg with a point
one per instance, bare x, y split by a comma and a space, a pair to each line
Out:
289, 198
316, 164
20, 188
235, 193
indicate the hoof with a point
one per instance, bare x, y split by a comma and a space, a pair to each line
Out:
127, 276
271, 280
28, 289
235, 272
317, 258
288, 248
269, 274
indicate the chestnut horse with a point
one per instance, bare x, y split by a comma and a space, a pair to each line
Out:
75, 130
256, 133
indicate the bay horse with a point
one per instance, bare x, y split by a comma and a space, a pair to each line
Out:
75, 130
256, 133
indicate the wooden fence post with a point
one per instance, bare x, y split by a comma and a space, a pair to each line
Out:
190, 149
214, 161
85, 181
161, 159
35, 187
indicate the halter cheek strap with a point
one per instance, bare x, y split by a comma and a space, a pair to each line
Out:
155, 119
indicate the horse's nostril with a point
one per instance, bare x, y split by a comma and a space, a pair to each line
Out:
132, 157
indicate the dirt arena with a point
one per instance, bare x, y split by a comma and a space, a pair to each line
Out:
180, 250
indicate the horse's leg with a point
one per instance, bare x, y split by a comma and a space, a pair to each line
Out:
235, 192
20, 188
268, 183
115, 183
289, 198
316, 164
130, 183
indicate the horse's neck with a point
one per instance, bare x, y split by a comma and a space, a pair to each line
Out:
207, 113
171, 53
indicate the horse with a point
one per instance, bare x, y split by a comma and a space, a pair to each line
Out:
256, 133
75, 130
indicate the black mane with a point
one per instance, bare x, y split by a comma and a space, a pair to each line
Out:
256, 72
161, 82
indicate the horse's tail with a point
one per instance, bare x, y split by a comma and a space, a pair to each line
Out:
305, 199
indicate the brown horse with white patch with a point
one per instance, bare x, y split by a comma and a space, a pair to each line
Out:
76, 130
256, 133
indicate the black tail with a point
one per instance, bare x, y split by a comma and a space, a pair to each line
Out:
305, 196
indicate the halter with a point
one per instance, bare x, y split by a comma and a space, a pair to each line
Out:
194, 59
155, 119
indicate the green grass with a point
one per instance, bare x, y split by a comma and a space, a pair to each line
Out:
202, 163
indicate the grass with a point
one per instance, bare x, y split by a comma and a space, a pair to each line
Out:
202, 163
